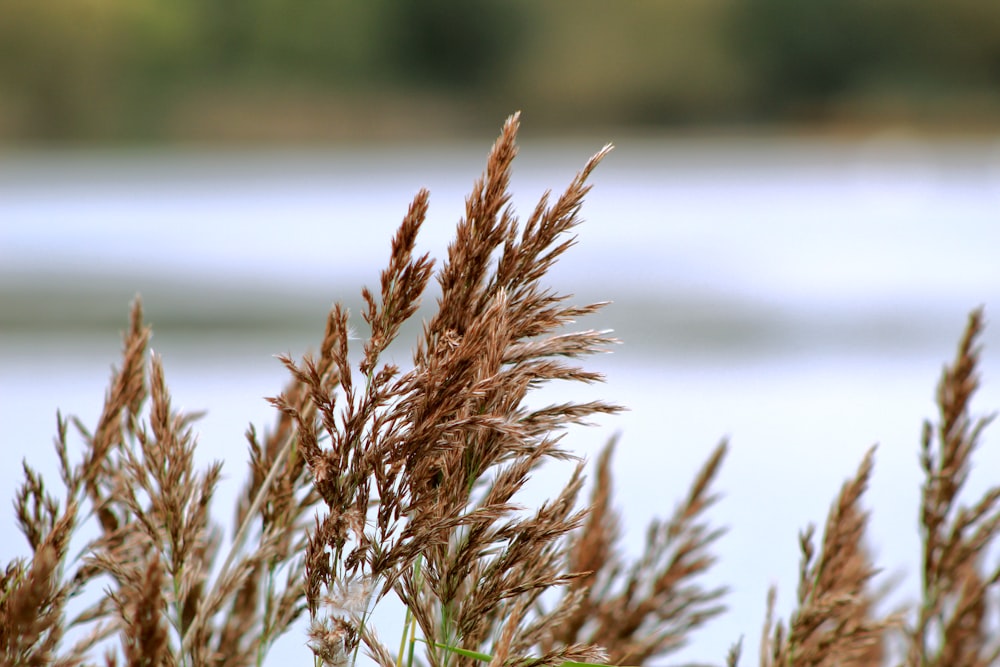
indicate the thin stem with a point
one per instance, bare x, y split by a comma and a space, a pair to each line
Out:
265, 639
413, 618
409, 624
402, 638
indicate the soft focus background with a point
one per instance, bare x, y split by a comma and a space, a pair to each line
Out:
800, 212
96, 71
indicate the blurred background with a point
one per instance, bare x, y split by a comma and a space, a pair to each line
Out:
113, 72
799, 214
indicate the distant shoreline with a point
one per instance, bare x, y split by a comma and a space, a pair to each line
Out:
264, 119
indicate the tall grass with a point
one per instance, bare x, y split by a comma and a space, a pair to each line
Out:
379, 481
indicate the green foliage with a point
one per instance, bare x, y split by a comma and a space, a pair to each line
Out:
809, 54
453, 44
486, 657
141, 69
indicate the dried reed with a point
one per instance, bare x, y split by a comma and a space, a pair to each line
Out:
377, 480
835, 622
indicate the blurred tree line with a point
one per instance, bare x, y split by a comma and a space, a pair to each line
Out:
164, 70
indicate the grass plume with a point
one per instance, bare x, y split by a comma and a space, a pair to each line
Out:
377, 480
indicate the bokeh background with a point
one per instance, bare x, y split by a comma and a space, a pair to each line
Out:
99, 71
799, 214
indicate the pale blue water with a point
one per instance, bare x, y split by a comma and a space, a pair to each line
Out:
798, 298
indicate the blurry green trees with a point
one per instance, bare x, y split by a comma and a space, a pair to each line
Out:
92, 70
809, 58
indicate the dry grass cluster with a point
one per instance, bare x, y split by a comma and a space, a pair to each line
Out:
378, 481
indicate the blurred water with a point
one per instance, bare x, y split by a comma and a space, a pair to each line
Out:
798, 298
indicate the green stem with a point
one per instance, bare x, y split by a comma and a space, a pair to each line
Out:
413, 619
402, 638
267, 628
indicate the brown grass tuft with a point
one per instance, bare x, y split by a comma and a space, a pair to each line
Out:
421, 467
952, 621
648, 608
834, 622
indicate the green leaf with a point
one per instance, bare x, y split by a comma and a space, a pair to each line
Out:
485, 657
482, 657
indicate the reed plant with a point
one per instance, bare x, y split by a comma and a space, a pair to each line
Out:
379, 481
